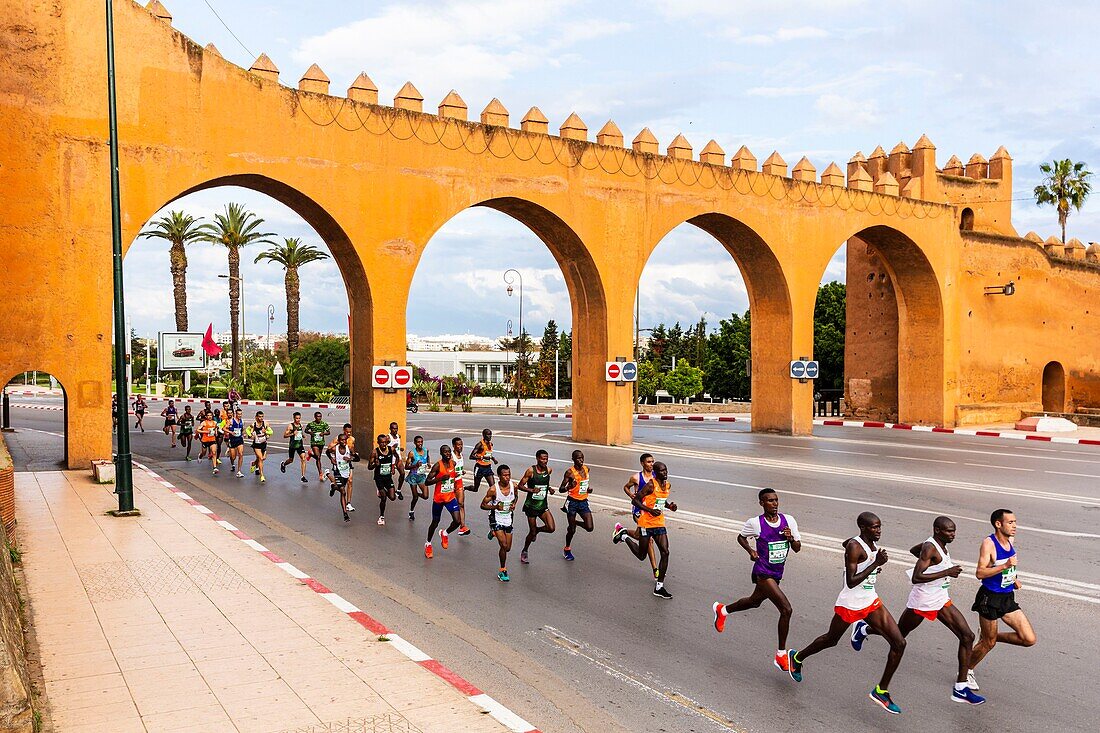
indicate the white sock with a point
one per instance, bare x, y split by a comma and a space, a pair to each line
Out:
722, 610
960, 686
660, 585
970, 671
780, 652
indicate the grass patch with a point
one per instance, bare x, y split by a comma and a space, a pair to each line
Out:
15, 554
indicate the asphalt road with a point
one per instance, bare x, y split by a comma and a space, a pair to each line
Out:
584, 646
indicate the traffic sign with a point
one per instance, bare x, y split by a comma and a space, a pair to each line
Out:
381, 377
630, 371
402, 376
278, 370
805, 369
613, 371
812, 369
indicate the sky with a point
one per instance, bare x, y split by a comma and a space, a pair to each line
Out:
821, 78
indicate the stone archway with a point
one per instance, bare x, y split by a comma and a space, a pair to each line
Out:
18, 415
1054, 387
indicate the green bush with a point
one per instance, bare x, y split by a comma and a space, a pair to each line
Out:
307, 393
325, 395
216, 393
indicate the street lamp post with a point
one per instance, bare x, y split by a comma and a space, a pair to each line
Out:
519, 363
270, 320
244, 332
507, 358
124, 470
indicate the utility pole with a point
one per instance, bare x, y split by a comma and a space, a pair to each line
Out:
124, 470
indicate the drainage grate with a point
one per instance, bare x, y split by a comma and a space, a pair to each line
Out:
166, 576
388, 723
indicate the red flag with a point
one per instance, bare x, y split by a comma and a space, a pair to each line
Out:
208, 345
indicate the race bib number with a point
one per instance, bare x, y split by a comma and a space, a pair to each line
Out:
946, 583
539, 495
385, 468
343, 467
869, 583
777, 552
1008, 577
235, 432
582, 488
297, 434
422, 469
448, 486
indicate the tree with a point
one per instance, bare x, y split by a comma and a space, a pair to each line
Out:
235, 228
829, 323
649, 379
565, 383
548, 351
292, 255
684, 381
1065, 184
325, 358
179, 230
728, 352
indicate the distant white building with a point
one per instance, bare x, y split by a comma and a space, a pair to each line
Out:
484, 367
449, 342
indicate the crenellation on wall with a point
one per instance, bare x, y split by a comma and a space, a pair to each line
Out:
804, 170
453, 107
876, 163
1075, 249
496, 114
953, 167
858, 178
743, 160
159, 11
610, 135
679, 148
900, 163
712, 154
573, 128
363, 89
314, 80
832, 176
211, 49
534, 122
265, 68
409, 98
977, 167
645, 142
886, 184
774, 165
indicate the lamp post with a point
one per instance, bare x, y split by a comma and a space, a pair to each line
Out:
519, 363
124, 471
507, 358
244, 333
270, 320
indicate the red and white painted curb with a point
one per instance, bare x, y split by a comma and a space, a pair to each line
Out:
254, 403
501, 714
957, 431
692, 418
25, 406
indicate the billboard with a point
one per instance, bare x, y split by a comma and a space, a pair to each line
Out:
181, 351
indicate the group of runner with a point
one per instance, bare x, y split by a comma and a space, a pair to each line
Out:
770, 537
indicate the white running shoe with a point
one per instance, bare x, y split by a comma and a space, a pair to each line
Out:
381, 521
351, 508
240, 475
971, 681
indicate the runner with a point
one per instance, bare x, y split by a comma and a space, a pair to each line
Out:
417, 465
460, 486
236, 442
208, 436
140, 406
259, 431
204, 449
483, 459
858, 600
996, 598
395, 437
187, 430
635, 482
233, 399
223, 427
114, 412
295, 432
443, 478
928, 599
652, 499
341, 457
317, 431
170, 415
774, 535
350, 439
500, 500
536, 482
575, 483
383, 461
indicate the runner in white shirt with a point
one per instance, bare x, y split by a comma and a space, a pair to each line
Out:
929, 599
500, 501
858, 600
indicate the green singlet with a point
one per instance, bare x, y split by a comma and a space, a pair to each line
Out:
535, 504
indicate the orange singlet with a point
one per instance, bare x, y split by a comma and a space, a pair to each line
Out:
656, 499
445, 489
579, 490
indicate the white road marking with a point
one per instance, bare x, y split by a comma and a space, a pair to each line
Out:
1004, 468
1066, 473
918, 458
849, 452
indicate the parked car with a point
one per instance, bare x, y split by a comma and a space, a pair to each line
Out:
183, 353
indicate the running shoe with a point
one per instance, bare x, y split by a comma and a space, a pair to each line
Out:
523, 557
719, 617
327, 476
189, 459
568, 554
662, 593
305, 480
240, 475
332, 491
412, 516
428, 550
263, 479
215, 472
347, 517
656, 573
252, 468
781, 662
282, 467
883, 699
400, 496
444, 540
617, 533
859, 635
350, 507
972, 681
381, 520
464, 530
794, 667
966, 695
490, 535
502, 576
564, 509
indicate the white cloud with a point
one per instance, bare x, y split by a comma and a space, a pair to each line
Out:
802, 33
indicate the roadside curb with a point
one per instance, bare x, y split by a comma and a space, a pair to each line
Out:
52, 408
955, 431
199, 401
692, 418
487, 704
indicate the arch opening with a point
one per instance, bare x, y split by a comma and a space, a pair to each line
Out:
1054, 387
35, 421
966, 220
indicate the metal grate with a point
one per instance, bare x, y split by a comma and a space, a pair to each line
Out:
388, 723
164, 576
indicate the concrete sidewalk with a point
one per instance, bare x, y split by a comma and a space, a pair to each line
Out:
167, 622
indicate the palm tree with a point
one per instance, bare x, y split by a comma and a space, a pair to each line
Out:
1065, 184
179, 229
292, 255
235, 228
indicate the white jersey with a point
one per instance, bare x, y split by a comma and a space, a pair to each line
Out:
395, 442
501, 514
931, 596
864, 594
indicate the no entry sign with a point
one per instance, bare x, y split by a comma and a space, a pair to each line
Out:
381, 377
402, 376
614, 371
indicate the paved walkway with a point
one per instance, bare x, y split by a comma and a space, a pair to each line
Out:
168, 622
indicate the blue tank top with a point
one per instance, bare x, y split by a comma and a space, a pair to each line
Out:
1004, 581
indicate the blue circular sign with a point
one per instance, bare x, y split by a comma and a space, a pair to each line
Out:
630, 371
812, 369
798, 369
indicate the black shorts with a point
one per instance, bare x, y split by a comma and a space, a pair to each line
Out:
296, 448
536, 510
757, 578
500, 528
169, 422
260, 447
483, 472
235, 442
384, 483
992, 606
652, 531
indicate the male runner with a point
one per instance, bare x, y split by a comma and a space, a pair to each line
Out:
295, 431
236, 442
442, 477
576, 484
350, 440
317, 430
773, 535
222, 419
858, 600
635, 482
341, 457
536, 482
208, 436
384, 460
187, 430
417, 465
483, 458
652, 499
996, 598
259, 431
170, 415
928, 599
500, 500
395, 437
460, 486
140, 405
